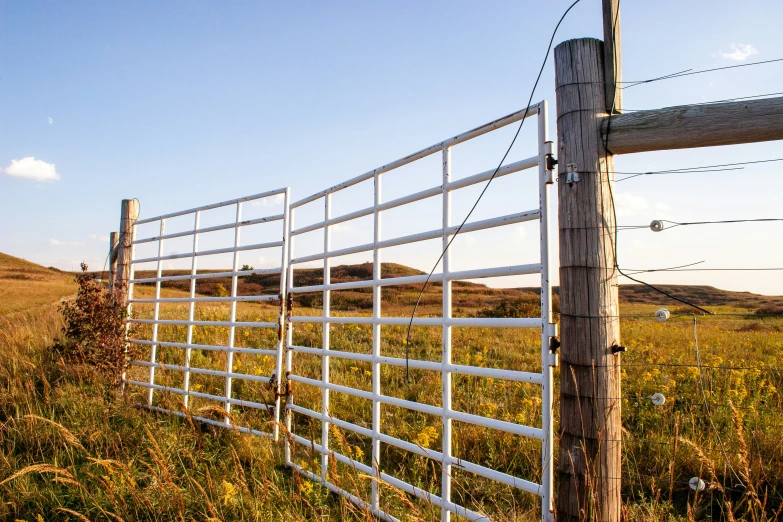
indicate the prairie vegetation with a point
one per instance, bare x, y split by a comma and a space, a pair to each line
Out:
71, 446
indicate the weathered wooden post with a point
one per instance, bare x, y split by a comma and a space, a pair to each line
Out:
589, 458
613, 65
113, 242
129, 213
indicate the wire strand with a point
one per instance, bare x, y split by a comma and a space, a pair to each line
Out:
484, 190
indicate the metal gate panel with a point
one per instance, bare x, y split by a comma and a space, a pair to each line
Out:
229, 373
445, 366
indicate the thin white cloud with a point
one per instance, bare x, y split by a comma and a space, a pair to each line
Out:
628, 205
662, 206
32, 168
521, 232
50, 120
267, 202
99, 237
739, 52
56, 242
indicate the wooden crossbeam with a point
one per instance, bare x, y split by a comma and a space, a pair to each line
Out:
691, 126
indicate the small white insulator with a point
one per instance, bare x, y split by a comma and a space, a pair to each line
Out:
662, 315
697, 484
656, 225
658, 399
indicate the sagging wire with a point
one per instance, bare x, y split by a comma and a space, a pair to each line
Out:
689, 170
718, 222
614, 215
690, 72
486, 186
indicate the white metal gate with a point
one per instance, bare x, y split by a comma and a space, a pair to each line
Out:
374, 428
269, 427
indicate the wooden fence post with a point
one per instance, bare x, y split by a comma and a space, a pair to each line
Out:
129, 213
113, 241
590, 425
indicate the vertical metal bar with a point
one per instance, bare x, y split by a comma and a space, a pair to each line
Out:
156, 315
191, 310
232, 313
547, 506
325, 345
289, 341
281, 341
445, 493
376, 346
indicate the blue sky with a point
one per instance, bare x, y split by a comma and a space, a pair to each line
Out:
181, 104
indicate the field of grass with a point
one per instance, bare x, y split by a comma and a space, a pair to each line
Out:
18, 277
71, 444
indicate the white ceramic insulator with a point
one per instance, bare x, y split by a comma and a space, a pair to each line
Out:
656, 225
697, 484
662, 315
658, 399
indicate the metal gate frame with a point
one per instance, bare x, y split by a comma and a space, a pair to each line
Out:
446, 367
229, 374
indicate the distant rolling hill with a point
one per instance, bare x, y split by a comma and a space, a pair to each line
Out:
466, 294
25, 285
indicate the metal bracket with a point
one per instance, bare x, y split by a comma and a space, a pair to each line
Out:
550, 329
572, 176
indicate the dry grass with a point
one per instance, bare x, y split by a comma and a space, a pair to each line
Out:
71, 446
25, 285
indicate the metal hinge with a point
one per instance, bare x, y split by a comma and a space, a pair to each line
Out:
554, 344
550, 163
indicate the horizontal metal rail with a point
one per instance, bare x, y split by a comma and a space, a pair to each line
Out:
486, 422
151, 336
207, 275
183, 322
211, 206
229, 425
423, 153
492, 373
256, 351
501, 271
404, 486
205, 230
444, 410
476, 322
203, 371
339, 491
229, 299
259, 246
424, 194
474, 226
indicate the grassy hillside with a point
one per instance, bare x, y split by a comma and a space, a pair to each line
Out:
25, 285
468, 297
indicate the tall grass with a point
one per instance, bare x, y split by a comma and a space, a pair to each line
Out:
72, 447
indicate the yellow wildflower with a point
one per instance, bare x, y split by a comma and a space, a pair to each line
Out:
230, 494
426, 436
